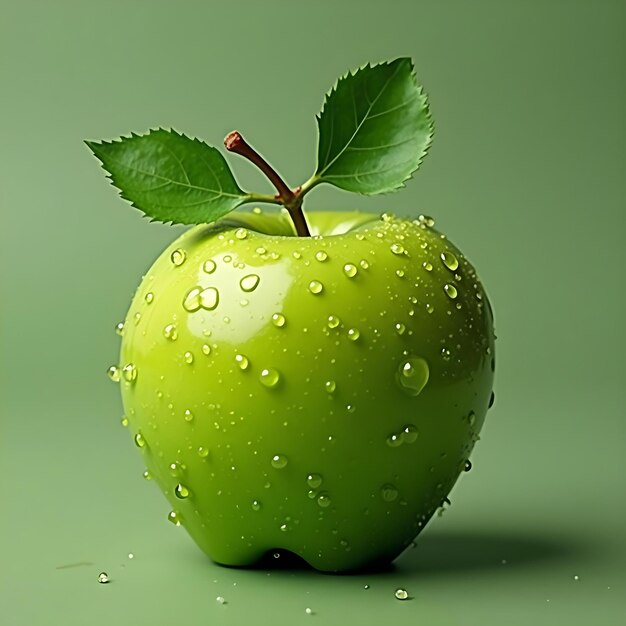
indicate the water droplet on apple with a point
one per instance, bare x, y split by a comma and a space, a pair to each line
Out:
450, 261
170, 332
401, 594
350, 270
130, 373
191, 302
333, 321
296, 255
137, 318
471, 418
124, 421
140, 441
209, 266
147, 475
330, 386
426, 221
279, 461
206, 349
316, 287
364, 264
278, 319
321, 256
450, 290
400, 328
269, 377
175, 518
178, 257
388, 492
241, 233
324, 500
249, 283
261, 250
468, 466
188, 415
242, 361
181, 492
188, 356
350, 408
394, 440
256, 505
427, 266
445, 354
492, 399
103, 578
397, 248
203, 452
314, 480
209, 298
400, 273
412, 375
429, 307
176, 469
227, 258
312, 494
114, 373
149, 298
409, 433
353, 334
119, 328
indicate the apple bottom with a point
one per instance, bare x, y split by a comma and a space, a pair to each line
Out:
373, 545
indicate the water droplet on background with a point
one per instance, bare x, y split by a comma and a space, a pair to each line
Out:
119, 328
103, 578
401, 594
114, 373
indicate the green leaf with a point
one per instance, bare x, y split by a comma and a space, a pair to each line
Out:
374, 129
170, 177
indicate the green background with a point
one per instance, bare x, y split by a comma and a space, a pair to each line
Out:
526, 176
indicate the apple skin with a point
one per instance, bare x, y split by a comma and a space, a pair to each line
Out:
355, 490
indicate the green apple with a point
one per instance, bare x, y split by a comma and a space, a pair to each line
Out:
315, 394
315, 383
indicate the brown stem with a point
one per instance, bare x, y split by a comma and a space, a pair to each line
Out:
234, 142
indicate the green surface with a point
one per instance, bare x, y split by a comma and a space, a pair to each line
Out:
525, 176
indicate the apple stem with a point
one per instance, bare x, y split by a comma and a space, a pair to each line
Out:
291, 200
